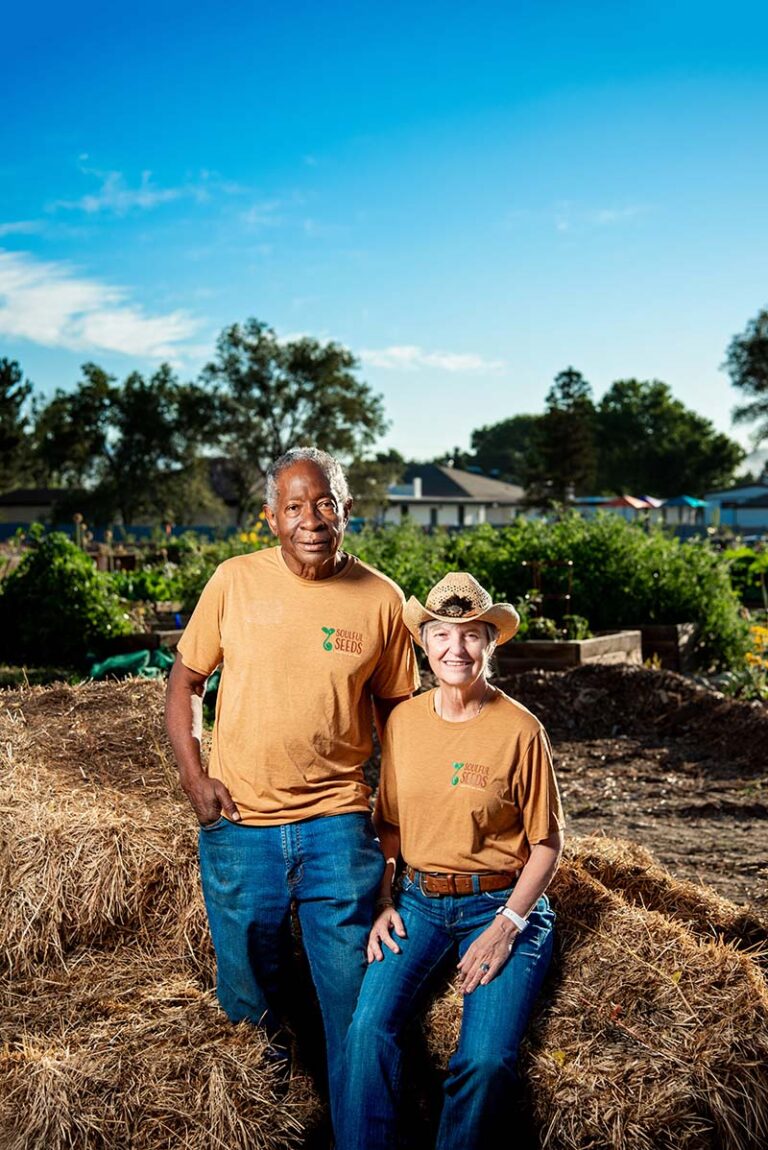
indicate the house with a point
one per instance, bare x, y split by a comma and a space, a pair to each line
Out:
25, 505
433, 495
743, 507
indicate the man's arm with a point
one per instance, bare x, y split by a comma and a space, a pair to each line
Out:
184, 722
382, 709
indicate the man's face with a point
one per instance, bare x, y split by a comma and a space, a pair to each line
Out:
308, 520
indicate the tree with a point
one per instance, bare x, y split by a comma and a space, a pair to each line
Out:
504, 449
563, 459
651, 443
15, 454
72, 429
747, 365
273, 395
135, 446
369, 479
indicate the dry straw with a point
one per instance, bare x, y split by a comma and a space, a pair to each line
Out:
648, 1035
124, 1051
632, 870
644, 1037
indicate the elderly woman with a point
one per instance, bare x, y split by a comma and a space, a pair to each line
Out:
468, 800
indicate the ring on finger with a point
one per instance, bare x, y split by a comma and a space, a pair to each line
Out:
484, 967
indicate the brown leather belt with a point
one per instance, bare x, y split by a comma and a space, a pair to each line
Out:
436, 883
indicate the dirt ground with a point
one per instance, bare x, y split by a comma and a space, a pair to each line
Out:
655, 758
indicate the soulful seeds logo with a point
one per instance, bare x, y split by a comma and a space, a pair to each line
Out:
339, 639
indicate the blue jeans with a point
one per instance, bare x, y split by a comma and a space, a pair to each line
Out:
330, 867
483, 1070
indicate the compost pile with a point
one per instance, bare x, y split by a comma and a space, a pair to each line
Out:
652, 1032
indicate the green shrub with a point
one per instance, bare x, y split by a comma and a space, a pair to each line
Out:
55, 607
623, 575
749, 574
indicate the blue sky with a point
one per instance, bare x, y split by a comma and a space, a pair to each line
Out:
470, 196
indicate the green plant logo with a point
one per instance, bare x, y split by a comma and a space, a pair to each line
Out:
328, 631
457, 769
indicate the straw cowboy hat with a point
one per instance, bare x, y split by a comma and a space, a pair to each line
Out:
459, 598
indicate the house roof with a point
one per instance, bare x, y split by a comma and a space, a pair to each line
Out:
32, 496
450, 484
758, 483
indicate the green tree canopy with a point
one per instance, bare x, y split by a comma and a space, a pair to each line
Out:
650, 443
15, 453
504, 449
136, 445
273, 395
747, 365
564, 460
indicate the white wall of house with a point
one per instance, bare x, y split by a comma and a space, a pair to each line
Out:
430, 513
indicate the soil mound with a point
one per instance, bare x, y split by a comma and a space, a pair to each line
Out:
596, 701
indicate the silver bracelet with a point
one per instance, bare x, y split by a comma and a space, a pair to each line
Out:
520, 923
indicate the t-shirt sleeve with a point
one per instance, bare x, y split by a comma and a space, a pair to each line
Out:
200, 645
386, 799
537, 793
397, 672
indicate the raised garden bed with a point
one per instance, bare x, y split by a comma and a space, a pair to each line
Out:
558, 655
672, 643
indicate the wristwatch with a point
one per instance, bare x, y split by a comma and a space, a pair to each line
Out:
520, 923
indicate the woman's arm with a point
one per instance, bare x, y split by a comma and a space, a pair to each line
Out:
493, 947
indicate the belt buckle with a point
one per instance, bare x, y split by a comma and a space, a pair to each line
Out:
423, 889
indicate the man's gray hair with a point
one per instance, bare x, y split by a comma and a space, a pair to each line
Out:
334, 473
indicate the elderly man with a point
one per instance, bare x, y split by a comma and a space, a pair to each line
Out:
313, 649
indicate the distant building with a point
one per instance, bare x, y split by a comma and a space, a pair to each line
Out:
25, 505
743, 507
432, 495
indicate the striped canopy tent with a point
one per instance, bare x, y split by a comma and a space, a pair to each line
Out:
685, 501
682, 510
635, 502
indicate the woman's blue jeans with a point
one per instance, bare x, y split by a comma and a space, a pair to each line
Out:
330, 868
483, 1070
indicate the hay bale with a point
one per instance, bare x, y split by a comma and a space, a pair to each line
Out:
631, 870
109, 733
124, 1050
87, 871
643, 1037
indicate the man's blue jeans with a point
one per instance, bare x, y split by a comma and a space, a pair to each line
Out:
330, 868
483, 1070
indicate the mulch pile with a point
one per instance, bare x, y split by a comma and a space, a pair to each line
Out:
653, 1030
595, 701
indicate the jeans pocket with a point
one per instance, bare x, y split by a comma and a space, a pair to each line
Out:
497, 898
220, 821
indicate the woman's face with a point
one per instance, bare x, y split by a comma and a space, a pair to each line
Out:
457, 652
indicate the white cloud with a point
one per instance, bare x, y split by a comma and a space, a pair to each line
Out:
117, 196
568, 215
409, 357
20, 227
51, 304
263, 214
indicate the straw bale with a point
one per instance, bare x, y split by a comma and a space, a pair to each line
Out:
83, 870
631, 870
125, 1050
100, 733
644, 1037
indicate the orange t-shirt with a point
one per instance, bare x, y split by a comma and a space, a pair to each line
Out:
301, 659
472, 796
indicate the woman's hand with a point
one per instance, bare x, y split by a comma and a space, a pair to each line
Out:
387, 921
486, 956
